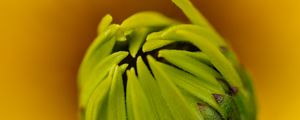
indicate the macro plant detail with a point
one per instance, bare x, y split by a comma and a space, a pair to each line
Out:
151, 67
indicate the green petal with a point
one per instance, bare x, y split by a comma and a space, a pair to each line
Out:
199, 56
116, 100
100, 48
138, 107
96, 107
105, 22
209, 35
155, 44
152, 92
193, 85
147, 19
98, 74
192, 13
178, 105
212, 52
207, 74
222, 64
137, 38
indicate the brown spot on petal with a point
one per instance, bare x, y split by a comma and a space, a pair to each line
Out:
223, 49
234, 90
201, 106
218, 97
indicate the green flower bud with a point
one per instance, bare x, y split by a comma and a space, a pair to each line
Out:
151, 67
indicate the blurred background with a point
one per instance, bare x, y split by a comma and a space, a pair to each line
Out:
43, 41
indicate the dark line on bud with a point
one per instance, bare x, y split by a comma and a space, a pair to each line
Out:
144, 58
182, 46
124, 77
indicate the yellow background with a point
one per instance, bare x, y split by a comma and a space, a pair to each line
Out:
42, 43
